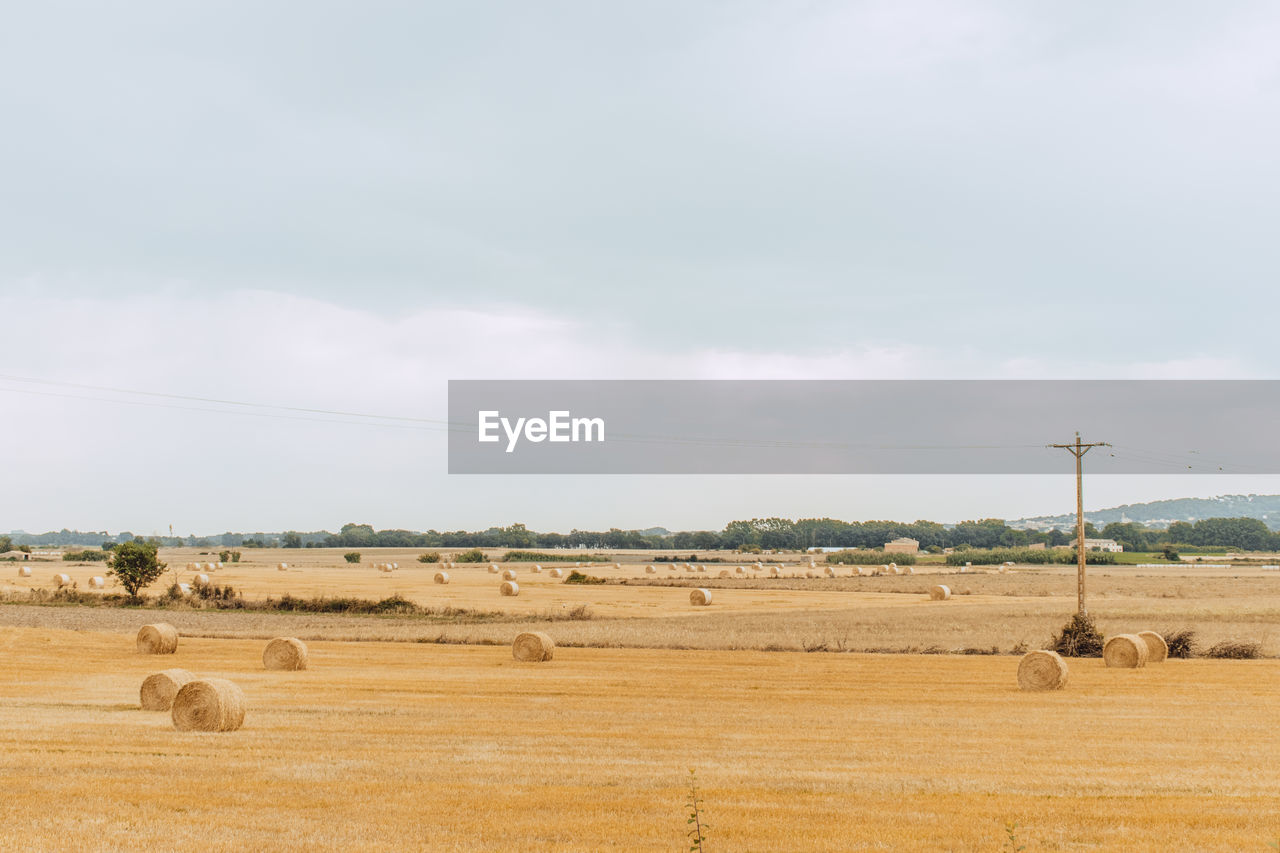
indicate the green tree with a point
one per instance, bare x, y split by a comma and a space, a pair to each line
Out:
135, 565
6, 543
292, 540
352, 556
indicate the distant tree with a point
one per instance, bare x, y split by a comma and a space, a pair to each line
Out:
429, 557
135, 565
291, 540
108, 545
518, 536
352, 556
6, 543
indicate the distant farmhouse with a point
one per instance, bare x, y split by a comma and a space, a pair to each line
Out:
902, 546
1103, 545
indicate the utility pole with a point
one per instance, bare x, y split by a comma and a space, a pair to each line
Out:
1078, 450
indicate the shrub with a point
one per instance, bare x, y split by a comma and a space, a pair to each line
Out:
579, 577
475, 555
86, 556
1079, 638
1235, 650
539, 557
429, 557
352, 556
1181, 643
855, 557
1030, 556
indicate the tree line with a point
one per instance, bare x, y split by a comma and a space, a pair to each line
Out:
764, 533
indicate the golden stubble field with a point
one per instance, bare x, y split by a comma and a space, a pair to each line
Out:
419, 746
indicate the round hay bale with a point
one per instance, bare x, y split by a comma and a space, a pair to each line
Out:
724, 573
537, 568
184, 588
688, 568
702, 568
1157, 648
700, 597
97, 582
158, 689
509, 575
61, 580
285, 653
442, 577
1042, 670
158, 639
908, 570
741, 570
861, 571
493, 568
533, 646
395, 565
1125, 651
24, 571
556, 573
941, 592
829, 572
510, 588
775, 571
200, 580
649, 570
809, 574
218, 564
617, 565
208, 705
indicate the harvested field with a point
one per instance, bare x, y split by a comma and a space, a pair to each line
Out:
599, 757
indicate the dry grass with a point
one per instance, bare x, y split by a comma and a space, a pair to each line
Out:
806, 751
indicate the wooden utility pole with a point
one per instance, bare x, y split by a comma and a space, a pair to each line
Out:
1078, 450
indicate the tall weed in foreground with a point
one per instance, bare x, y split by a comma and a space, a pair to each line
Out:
1011, 837
697, 825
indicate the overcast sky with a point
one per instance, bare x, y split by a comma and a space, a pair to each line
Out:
342, 206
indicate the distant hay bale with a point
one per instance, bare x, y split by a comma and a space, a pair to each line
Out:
757, 568
208, 705
617, 565
158, 689
61, 580
700, 597
158, 639
97, 582
184, 588
384, 567
648, 570
533, 647
493, 568
1125, 651
808, 574
537, 568
557, 573
510, 588
286, 653
895, 570
1042, 670
688, 568
24, 571
442, 577
201, 579
941, 592
509, 575
908, 570
884, 569
702, 568
724, 573
740, 570
775, 571
219, 564
282, 567
395, 565
829, 572
1157, 648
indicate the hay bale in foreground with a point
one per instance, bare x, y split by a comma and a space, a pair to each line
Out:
442, 577
208, 705
533, 646
158, 689
97, 582
700, 597
557, 573
493, 568
1042, 670
287, 653
24, 571
1157, 648
510, 588
61, 580
158, 639
201, 579
941, 592
1125, 651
